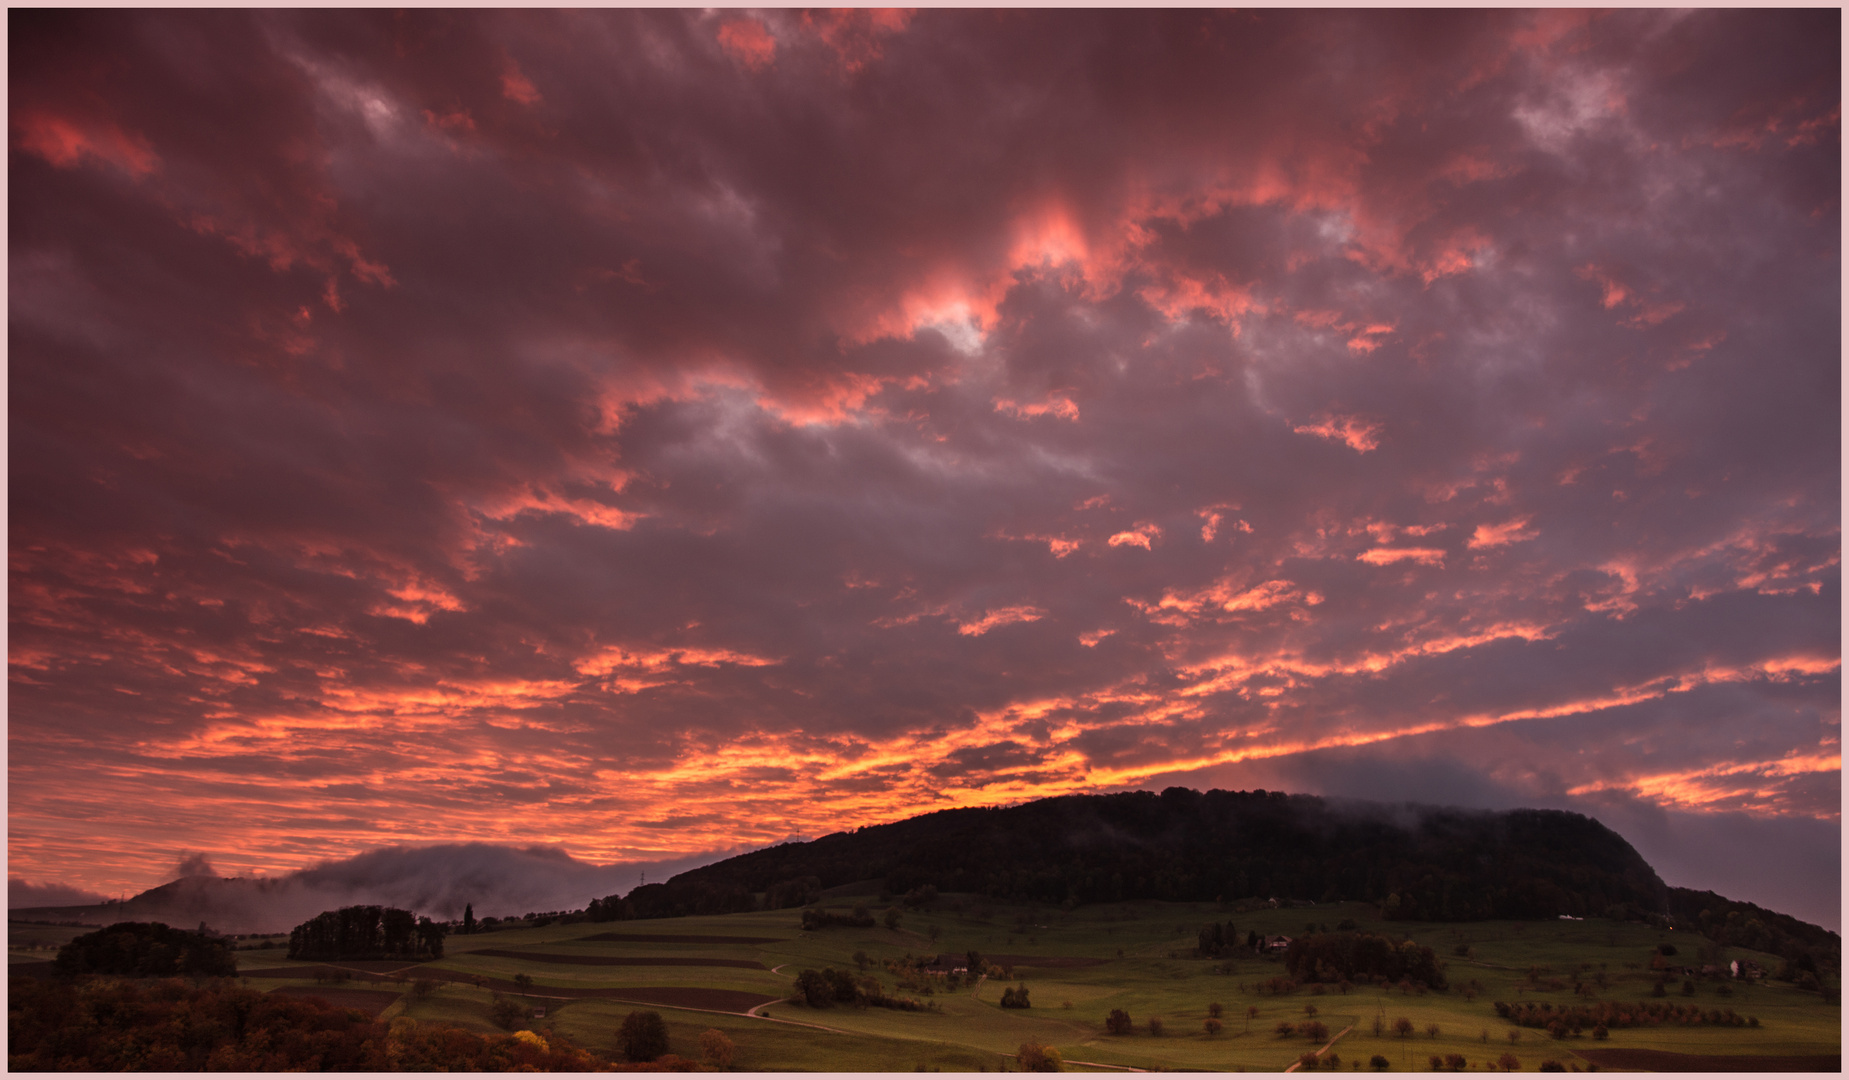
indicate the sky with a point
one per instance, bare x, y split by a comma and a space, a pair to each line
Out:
650, 434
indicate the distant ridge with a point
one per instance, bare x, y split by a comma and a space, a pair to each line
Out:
1415, 862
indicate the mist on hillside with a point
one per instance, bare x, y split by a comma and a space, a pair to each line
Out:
438, 880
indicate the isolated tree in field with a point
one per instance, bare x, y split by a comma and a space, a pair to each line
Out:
892, 917
1037, 1057
1403, 1027
1214, 1009
716, 1050
524, 982
1432, 1030
468, 918
1251, 1015
643, 1036
1315, 1030
1379, 1063
1015, 997
813, 988
506, 1012
1155, 1025
1212, 1026
1508, 1063
1118, 1022
862, 959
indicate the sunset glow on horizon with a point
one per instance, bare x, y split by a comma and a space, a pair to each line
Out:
659, 433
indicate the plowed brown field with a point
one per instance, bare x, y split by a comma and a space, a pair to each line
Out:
1668, 1061
620, 961
686, 939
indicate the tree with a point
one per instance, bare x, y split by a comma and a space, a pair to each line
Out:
862, 959
1402, 1027
892, 918
1212, 1026
524, 982
1314, 1030
716, 1050
1118, 1022
1379, 1063
146, 950
1155, 1025
813, 988
1037, 1057
643, 1036
506, 1012
468, 918
1015, 997
1508, 1063
1215, 1009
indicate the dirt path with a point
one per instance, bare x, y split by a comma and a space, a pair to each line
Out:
1324, 1050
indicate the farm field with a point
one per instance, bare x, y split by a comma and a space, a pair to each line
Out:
1077, 966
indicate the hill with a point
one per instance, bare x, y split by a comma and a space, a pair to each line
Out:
1414, 862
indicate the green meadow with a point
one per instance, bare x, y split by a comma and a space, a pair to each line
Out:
1144, 964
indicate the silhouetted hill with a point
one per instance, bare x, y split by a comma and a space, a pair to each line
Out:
1415, 862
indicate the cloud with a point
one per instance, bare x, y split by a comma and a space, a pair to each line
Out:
652, 432
21, 893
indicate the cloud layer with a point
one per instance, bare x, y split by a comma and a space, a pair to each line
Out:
656, 432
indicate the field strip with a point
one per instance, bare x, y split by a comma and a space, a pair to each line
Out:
614, 961
1293, 1065
685, 939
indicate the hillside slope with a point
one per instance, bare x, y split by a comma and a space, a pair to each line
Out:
1416, 862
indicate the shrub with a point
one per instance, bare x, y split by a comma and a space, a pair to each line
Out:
1307, 1060
1155, 1025
1285, 1029
1036, 1057
1508, 1063
716, 1048
1456, 1062
506, 1013
1212, 1026
1550, 1065
1379, 1063
1437, 1063
643, 1036
1314, 1030
1432, 1030
1015, 997
1214, 1009
1600, 1032
423, 988
1118, 1022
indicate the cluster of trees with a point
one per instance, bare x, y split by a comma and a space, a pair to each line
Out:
816, 918
146, 950
1449, 865
1604, 1015
1346, 955
821, 989
1015, 997
1218, 939
367, 932
1806, 948
110, 1025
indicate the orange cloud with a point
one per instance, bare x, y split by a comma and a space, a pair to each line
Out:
65, 143
1509, 532
1000, 617
1358, 434
749, 42
1140, 536
1383, 556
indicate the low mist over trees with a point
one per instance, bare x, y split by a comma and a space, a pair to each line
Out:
367, 932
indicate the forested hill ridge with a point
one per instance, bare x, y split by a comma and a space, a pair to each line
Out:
1416, 862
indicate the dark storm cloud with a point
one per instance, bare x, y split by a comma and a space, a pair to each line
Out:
658, 431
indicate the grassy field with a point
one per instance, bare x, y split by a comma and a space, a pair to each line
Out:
1145, 966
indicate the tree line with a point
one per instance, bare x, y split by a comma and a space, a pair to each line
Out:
367, 932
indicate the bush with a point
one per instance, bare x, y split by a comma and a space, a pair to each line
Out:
1285, 1029
716, 1050
506, 1013
1036, 1057
1307, 1060
1155, 1025
1508, 1063
1212, 1026
1314, 1030
1379, 1063
1015, 998
1550, 1065
1118, 1022
1456, 1062
643, 1036
1215, 1009
423, 988
1403, 1027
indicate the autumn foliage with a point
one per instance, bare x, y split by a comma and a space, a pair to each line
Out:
113, 1025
